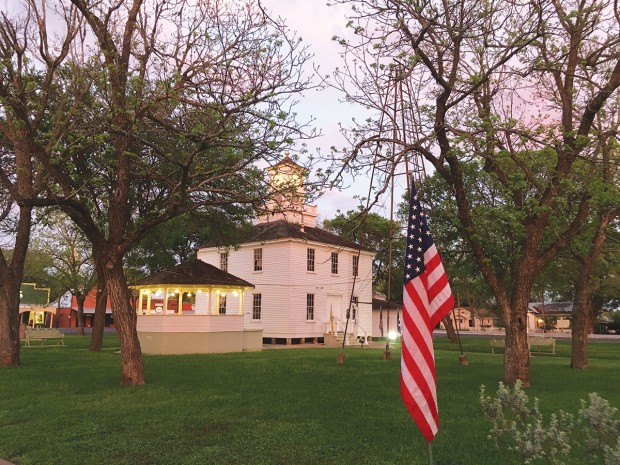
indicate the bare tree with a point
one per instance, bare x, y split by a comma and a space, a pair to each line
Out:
177, 101
515, 88
26, 94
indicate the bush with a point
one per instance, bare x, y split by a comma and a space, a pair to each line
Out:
592, 436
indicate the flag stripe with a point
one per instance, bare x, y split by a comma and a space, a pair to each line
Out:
418, 360
426, 300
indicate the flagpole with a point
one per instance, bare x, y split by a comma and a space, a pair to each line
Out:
430, 453
462, 358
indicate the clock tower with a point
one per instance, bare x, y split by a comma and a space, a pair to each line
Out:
287, 181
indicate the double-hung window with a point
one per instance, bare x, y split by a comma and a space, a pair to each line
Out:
310, 260
356, 265
334, 262
309, 306
257, 303
258, 259
224, 261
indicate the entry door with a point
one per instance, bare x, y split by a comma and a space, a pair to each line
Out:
334, 307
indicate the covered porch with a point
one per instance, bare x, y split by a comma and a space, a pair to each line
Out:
37, 316
193, 308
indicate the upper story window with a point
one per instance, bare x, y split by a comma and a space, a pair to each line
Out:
356, 265
334, 262
224, 261
310, 261
258, 259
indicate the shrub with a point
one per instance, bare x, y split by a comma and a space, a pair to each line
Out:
593, 435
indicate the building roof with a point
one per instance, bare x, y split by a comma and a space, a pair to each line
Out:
282, 229
382, 304
287, 160
483, 312
479, 312
194, 272
552, 308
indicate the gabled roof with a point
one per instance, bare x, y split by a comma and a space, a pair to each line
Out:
194, 272
281, 229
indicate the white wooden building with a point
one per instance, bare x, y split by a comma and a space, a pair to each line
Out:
305, 278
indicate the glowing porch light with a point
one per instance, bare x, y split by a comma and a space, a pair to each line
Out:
392, 335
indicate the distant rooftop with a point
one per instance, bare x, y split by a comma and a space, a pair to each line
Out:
551, 307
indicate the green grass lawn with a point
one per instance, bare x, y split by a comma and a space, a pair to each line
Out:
296, 406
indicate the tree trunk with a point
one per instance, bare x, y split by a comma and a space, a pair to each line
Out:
80, 313
581, 315
582, 306
9, 326
132, 370
517, 352
96, 338
10, 282
450, 332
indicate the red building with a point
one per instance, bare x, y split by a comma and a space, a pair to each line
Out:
66, 317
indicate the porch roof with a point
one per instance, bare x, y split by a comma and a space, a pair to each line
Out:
192, 273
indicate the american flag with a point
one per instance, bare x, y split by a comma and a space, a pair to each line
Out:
426, 300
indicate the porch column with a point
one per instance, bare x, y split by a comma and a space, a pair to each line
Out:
139, 305
148, 302
165, 311
241, 295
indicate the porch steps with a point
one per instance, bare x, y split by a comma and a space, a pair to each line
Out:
331, 340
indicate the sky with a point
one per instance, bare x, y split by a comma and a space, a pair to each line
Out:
316, 23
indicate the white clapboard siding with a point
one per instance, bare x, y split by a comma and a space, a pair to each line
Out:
285, 282
189, 323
